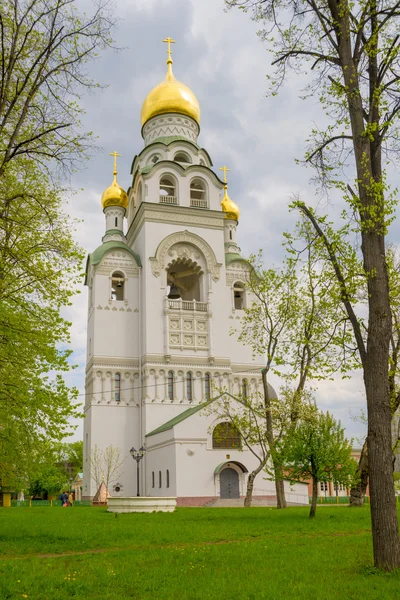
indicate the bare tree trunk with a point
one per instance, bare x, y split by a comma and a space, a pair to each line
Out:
280, 493
357, 493
249, 490
313, 508
250, 484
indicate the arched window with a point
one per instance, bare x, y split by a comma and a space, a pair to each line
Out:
117, 387
189, 386
245, 389
182, 157
238, 295
167, 479
207, 386
152, 479
225, 436
117, 286
168, 190
159, 479
170, 385
198, 197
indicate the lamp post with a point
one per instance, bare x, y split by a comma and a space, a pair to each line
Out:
137, 455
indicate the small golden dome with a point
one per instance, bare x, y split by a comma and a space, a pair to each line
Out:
114, 195
170, 96
229, 206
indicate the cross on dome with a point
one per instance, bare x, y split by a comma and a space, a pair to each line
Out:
169, 41
224, 169
115, 154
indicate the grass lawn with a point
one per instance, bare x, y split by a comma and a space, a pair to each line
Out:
216, 553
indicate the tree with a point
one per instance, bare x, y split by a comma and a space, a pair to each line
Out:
296, 321
105, 465
40, 266
354, 50
45, 49
317, 449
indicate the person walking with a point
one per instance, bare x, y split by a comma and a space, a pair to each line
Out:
70, 499
64, 499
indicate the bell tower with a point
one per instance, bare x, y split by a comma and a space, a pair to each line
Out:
163, 344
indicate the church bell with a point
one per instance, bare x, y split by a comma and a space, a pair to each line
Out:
174, 293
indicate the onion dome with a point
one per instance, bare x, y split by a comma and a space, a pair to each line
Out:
170, 96
114, 195
229, 207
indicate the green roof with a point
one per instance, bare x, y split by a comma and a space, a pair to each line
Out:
184, 415
232, 256
98, 254
95, 257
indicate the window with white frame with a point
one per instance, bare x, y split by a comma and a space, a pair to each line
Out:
168, 193
198, 196
171, 385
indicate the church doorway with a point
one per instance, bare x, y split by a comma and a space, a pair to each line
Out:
229, 483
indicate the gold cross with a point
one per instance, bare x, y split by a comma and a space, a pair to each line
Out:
169, 41
224, 169
114, 154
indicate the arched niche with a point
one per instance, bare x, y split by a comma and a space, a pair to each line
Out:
190, 245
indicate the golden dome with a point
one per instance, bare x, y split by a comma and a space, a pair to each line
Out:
114, 195
229, 206
170, 96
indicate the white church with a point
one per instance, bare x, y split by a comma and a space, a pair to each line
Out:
166, 287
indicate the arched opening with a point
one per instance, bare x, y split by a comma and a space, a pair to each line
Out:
167, 482
245, 389
207, 386
229, 483
117, 387
117, 286
168, 193
198, 198
170, 385
189, 386
182, 157
186, 277
226, 436
238, 295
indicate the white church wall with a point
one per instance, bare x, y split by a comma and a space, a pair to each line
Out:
116, 426
160, 459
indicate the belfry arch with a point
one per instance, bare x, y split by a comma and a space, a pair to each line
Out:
188, 247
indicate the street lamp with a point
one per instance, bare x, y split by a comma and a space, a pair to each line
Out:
137, 455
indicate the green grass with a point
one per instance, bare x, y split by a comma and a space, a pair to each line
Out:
192, 554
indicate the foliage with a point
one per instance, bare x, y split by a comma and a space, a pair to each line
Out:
45, 51
105, 465
353, 53
176, 554
318, 450
40, 265
69, 457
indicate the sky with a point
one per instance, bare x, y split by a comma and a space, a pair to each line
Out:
219, 56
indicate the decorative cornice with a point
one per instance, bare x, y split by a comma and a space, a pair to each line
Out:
179, 215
